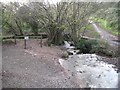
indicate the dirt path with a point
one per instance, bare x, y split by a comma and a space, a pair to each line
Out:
30, 69
111, 39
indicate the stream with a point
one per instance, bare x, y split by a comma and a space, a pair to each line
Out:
88, 70
92, 72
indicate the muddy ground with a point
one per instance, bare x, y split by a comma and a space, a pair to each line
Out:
35, 67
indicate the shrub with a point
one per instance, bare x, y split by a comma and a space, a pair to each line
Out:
93, 46
86, 46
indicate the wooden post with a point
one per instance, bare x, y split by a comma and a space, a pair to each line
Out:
24, 43
41, 40
15, 39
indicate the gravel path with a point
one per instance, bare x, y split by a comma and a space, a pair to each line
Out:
23, 70
111, 39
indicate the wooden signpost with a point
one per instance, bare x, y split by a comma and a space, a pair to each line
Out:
25, 39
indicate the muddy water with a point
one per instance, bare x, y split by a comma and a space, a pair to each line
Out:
89, 71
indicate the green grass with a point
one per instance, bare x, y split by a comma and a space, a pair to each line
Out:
106, 25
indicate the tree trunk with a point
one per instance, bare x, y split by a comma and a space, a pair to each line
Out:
20, 29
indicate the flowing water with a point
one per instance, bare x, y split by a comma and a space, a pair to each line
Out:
89, 71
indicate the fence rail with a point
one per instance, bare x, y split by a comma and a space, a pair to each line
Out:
22, 37
25, 38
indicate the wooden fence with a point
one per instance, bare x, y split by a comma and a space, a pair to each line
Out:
25, 37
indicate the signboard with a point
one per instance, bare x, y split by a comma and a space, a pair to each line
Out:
26, 37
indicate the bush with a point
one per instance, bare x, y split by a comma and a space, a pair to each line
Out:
87, 46
93, 46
